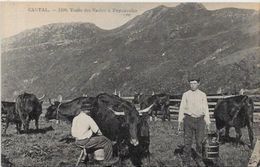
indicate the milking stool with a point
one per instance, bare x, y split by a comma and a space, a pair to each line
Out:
97, 155
82, 156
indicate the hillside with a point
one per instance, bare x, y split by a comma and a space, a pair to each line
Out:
155, 51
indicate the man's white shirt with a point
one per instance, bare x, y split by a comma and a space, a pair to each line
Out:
83, 126
194, 103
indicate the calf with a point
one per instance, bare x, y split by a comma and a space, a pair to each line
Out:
10, 116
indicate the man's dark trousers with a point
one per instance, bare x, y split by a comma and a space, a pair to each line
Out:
193, 127
97, 142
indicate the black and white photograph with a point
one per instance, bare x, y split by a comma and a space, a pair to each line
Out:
130, 84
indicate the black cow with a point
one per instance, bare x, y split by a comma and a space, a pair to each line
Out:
161, 103
119, 120
235, 112
10, 116
28, 107
68, 110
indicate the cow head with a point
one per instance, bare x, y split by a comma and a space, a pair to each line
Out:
131, 121
68, 110
52, 110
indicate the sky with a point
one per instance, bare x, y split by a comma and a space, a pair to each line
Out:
19, 16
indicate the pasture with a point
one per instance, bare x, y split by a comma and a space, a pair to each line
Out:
44, 148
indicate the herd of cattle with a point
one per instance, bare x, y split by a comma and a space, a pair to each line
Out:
120, 121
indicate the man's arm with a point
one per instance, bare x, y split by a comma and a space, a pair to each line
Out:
74, 128
206, 110
183, 106
95, 129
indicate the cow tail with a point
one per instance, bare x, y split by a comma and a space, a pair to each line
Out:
252, 108
250, 105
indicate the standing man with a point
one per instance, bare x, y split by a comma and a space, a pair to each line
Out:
193, 116
88, 134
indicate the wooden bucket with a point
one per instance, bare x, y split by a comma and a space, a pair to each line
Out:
99, 155
210, 147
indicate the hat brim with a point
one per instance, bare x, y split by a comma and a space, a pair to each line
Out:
194, 79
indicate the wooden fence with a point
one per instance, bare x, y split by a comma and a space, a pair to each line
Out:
212, 101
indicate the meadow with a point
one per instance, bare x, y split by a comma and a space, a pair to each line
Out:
44, 148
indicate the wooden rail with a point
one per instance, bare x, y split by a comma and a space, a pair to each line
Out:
212, 101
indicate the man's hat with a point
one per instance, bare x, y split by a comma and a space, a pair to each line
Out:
86, 106
194, 78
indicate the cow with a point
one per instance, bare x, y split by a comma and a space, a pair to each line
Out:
68, 110
126, 127
10, 116
28, 107
161, 103
237, 112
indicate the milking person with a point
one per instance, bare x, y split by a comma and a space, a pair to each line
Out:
88, 134
193, 116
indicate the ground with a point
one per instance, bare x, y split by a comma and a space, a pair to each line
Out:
44, 148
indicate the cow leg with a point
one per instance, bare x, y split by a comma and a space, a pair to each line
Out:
227, 132
220, 133
238, 135
153, 115
18, 127
37, 124
251, 134
168, 114
26, 123
156, 115
162, 109
164, 116
6, 126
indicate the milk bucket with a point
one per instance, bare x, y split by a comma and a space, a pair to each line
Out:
210, 147
99, 154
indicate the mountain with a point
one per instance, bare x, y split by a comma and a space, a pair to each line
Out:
156, 51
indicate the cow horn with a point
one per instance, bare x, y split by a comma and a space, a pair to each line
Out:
146, 109
41, 97
60, 98
116, 112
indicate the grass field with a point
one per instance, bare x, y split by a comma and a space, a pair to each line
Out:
45, 149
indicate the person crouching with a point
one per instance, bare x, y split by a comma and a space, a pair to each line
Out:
88, 134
